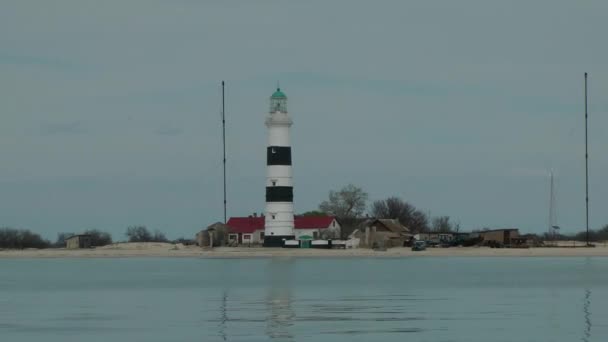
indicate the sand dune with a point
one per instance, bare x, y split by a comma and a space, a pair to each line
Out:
152, 249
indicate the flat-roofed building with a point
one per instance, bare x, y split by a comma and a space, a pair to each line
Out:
503, 236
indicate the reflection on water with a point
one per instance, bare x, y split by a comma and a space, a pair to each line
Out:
223, 315
587, 301
280, 313
416, 299
281, 316
587, 313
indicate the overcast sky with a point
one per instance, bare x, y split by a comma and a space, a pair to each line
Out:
110, 110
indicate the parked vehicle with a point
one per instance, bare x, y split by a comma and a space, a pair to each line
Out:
445, 244
419, 246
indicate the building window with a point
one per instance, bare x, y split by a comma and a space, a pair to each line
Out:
274, 183
261, 235
273, 217
247, 237
315, 235
232, 237
333, 224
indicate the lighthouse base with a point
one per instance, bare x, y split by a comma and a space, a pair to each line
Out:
276, 240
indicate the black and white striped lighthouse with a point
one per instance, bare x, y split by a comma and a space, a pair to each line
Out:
279, 224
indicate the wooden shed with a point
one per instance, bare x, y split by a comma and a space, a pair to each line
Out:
78, 241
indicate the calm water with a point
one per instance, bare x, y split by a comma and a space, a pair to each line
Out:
413, 299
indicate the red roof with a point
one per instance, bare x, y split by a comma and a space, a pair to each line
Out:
316, 222
248, 225
245, 225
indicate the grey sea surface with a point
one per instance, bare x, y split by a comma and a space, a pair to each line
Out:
304, 299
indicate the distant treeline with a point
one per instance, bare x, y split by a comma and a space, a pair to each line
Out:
21, 239
11, 238
142, 234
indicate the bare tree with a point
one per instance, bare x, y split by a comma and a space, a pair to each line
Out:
159, 237
393, 208
138, 234
347, 203
407, 214
142, 234
20, 239
419, 222
61, 237
99, 238
442, 224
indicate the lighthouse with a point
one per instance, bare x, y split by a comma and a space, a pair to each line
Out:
279, 222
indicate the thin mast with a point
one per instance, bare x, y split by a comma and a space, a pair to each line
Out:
224, 145
586, 165
551, 206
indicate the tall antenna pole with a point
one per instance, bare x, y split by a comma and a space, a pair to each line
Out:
551, 207
224, 145
586, 164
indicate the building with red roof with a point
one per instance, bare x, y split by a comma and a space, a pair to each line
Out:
250, 230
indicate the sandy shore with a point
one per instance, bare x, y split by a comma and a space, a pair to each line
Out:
122, 250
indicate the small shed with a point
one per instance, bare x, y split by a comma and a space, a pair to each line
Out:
78, 241
214, 235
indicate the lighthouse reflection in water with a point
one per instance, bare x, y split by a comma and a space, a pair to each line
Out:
305, 299
280, 312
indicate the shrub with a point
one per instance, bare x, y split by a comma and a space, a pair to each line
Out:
142, 234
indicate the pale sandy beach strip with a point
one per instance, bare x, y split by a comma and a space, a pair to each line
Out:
125, 250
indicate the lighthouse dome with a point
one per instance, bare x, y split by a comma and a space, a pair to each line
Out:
278, 94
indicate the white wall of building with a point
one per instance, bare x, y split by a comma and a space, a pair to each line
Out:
331, 232
248, 238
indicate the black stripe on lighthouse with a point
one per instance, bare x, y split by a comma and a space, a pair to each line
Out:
279, 194
278, 155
